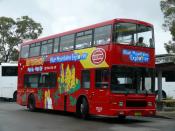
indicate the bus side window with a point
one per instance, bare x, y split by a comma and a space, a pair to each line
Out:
102, 78
102, 35
26, 81
47, 80
24, 51
67, 43
34, 49
56, 45
47, 47
31, 80
85, 77
83, 39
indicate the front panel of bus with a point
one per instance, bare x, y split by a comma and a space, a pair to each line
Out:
132, 69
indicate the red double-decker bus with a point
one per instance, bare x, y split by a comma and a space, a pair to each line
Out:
102, 69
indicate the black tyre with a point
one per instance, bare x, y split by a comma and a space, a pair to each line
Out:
15, 96
83, 109
121, 117
31, 103
164, 96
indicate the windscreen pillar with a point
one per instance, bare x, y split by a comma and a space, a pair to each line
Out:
159, 80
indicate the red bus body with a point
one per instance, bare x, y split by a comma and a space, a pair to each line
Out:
69, 66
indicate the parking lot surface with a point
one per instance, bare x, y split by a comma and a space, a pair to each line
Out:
17, 118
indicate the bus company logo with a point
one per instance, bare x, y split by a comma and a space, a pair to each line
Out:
98, 56
136, 56
70, 57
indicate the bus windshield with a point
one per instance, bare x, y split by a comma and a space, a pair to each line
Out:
133, 34
132, 80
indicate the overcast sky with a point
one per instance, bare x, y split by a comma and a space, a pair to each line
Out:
62, 15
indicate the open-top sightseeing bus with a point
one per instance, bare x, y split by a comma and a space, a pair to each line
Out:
102, 69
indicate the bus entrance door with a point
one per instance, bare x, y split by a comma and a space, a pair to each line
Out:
100, 94
100, 100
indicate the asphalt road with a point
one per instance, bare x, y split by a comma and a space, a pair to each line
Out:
16, 118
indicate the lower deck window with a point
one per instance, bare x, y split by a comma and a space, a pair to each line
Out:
86, 79
102, 78
45, 80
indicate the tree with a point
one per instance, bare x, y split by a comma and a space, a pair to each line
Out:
13, 32
168, 9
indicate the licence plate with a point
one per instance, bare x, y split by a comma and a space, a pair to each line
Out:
137, 113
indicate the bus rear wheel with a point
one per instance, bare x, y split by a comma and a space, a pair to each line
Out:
31, 103
82, 109
164, 96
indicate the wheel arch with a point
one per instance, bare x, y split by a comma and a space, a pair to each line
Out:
79, 100
82, 107
15, 95
164, 95
30, 96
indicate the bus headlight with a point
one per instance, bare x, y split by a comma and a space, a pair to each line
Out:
150, 103
120, 103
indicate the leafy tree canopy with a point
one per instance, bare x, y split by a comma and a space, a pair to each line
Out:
13, 32
168, 9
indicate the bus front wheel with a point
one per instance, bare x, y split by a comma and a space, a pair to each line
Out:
121, 117
31, 103
82, 109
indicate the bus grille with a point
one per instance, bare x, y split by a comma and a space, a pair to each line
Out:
130, 103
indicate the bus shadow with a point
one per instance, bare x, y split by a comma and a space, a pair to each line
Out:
116, 120
51, 112
6, 99
109, 120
